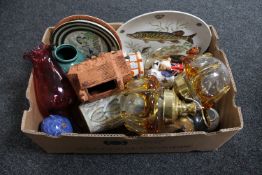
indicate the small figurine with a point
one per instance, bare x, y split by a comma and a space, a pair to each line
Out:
99, 77
167, 65
55, 125
177, 67
162, 71
136, 64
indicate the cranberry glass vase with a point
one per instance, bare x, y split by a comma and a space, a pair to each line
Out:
54, 94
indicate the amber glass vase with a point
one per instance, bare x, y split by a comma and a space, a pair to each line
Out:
54, 94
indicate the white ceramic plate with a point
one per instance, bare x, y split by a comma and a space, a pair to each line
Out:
151, 31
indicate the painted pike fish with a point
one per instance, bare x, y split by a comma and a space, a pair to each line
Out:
161, 37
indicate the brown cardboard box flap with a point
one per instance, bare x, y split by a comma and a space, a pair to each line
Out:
230, 123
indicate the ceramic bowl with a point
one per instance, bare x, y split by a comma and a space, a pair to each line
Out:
90, 38
90, 19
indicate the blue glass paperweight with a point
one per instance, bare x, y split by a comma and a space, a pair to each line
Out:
55, 125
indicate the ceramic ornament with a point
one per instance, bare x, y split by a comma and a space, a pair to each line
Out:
162, 71
136, 64
100, 76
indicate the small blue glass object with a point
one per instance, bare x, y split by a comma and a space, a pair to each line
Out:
55, 125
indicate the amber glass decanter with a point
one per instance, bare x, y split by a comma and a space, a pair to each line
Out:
54, 94
205, 78
148, 108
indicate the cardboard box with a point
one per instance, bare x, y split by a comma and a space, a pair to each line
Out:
230, 123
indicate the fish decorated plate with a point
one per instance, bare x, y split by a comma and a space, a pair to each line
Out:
162, 32
88, 37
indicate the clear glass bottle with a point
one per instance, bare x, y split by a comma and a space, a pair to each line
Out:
148, 108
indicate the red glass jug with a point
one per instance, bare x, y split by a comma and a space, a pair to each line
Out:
54, 94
